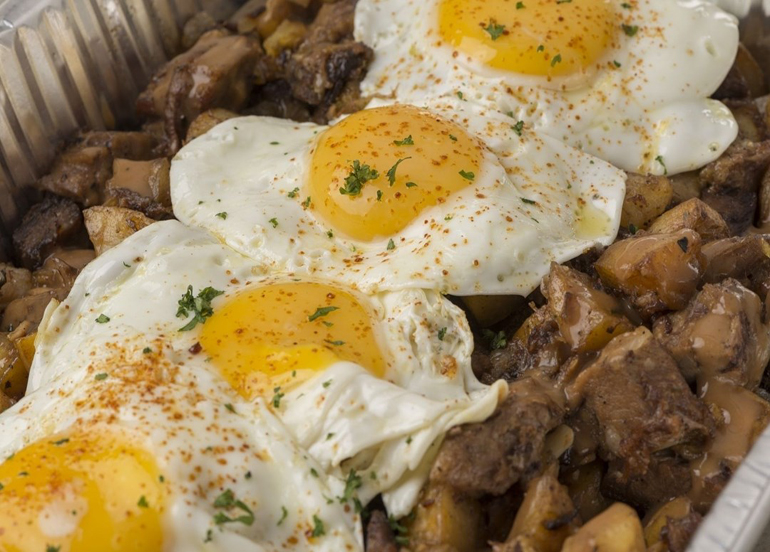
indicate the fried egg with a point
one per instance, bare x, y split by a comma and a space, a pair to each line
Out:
627, 81
450, 197
355, 385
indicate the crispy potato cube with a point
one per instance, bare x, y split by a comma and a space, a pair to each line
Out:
695, 215
286, 37
646, 199
206, 121
445, 517
26, 348
617, 529
675, 509
108, 226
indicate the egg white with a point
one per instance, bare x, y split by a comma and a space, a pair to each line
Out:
344, 417
497, 236
644, 107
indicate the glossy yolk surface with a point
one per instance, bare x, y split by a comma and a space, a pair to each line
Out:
408, 159
281, 334
79, 493
533, 37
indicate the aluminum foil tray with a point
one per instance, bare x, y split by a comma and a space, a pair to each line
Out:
70, 64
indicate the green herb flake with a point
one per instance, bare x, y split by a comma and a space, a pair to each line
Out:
528, 201
541, 48
273, 222
460, 95
379, 195
306, 203
284, 515
321, 311
199, 306
352, 484
659, 159
449, 217
228, 501
359, 175
520, 5
392, 171
405, 142
441, 334
61, 442
495, 340
391, 244
52, 548
103, 319
277, 396
399, 531
616, 63
632, 228
556, 59
230, 407
630, 30
101, 377
143, 502
495, 31
146, 350
410, 184
294, 193
209, 536
329, 234
453, 137
467, 175
318, 527
274, 143
222, 215
334, 343
518, 127
327, 383
313, 472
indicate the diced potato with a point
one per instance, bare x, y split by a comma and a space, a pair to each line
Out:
546, 517
685, 186
286, 37
108, 226
26, 348
13, 374
751, 123
490, 309
617, 529
647, 197
677, 508
206, 121
275, 12
445, 517
695, 215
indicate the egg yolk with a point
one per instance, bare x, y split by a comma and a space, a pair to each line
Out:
372, 173
81, 492
533, 37
281, 334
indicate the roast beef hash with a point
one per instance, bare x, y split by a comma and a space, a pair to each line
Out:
637, 374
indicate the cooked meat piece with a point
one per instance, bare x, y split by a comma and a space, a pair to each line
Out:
731, 182
137, 146
585, 438
542, 338
734, 86
719, 334
149, 179
30, 308
129, 199
14, 283
206, 121
507, 362
196, 27
665, 478
676, 534
379, 535
216, 72
108, 226
584, 485
588, 318
647, 197
46, 226
489, 457
275, 100
751, 123
79, 173
641, 402
763, 213
327, 59
348, 101
695, 215
657, 272
745, 258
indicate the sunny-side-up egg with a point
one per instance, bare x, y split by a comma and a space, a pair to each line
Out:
298, 397
625, 80
450, 197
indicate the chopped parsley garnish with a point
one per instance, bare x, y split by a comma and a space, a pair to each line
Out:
199, 307
61, 441
626, 5
230, 407
335, 343
392, 171
541, 48
683, 243
101, 377
556, 59
520, 5
277, 396
351, 485
630, 30
52, 548
248, 475
327, 324
318, 527
146, 350
391, 244
142, 502
326, 384
495, 31
313, 472
399, 531
379, 195
228, 501
292, 194
329, 436
453, 137
222, 215
528, 201
330, 234
659, 159
209, 536
161, 479
359, 175
306, 203
632, 228
409, 440
496, 340
460, 95
321, 311
284, 515
467, 175
273, 222
563, 1
373, 476
405, 142
103, 319
274, 143
518, 127
449, 217
616, 63
410, 184
441, 334
126, 264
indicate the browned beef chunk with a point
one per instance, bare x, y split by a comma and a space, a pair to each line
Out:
216, 72
45, 227
641, 402
506, 362
30, 308
587, 316
745, 258
695, 215
275, 100
129, 199
731, 182
379, 535
719, 334
137, 146
658, 272
489, 457
665, 478
676, 534
79, 173
328, 58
